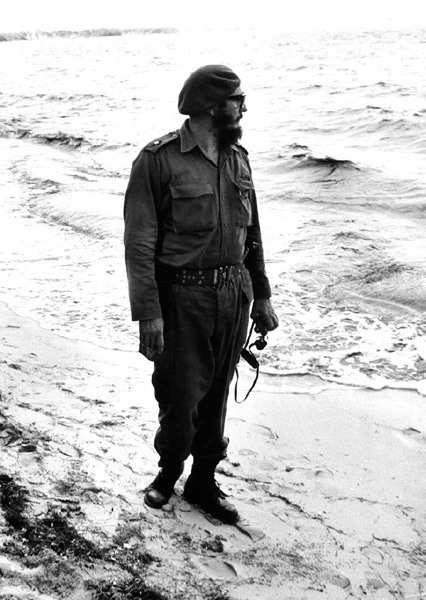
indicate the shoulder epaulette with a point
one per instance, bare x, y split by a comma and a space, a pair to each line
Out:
158, 143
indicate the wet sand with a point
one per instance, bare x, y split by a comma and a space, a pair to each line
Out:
329, 481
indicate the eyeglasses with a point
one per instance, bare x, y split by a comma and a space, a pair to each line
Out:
240, 99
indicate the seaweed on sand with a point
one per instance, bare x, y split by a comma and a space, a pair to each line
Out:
133, 560
55, 534
51, 542
52, 531
14, 501
133, 589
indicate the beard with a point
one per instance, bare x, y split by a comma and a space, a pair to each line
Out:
226, 129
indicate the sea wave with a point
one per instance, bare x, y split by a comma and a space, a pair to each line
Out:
303, 158
60, 97
85, 33
398, 126
383, 110
18, 130
80, 212
61, 138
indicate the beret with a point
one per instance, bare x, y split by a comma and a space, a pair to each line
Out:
207, 87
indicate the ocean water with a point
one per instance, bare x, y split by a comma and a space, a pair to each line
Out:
336, 131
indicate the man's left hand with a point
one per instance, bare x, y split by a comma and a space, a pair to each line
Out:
264, 316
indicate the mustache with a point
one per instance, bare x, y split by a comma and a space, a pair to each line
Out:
223, 120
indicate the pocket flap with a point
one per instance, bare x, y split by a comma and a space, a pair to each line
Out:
191, 190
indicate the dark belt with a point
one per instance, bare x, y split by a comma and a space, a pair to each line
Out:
212, 277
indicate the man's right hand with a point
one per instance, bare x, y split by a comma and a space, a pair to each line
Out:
151, 338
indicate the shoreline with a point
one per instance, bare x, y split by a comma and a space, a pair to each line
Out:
328, 479
333, 325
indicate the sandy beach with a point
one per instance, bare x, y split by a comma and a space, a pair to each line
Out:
329, 481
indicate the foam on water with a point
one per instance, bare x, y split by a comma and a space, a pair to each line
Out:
71, 282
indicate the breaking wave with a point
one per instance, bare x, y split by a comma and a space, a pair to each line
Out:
304, 159
13, 129
86, 33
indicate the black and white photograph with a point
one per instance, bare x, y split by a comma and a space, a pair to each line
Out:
213, 300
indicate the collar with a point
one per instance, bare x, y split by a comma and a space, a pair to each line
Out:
188, 142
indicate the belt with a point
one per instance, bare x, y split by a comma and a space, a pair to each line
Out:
212, 277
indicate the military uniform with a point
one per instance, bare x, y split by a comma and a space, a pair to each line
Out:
194, 257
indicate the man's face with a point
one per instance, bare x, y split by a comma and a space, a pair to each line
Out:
227, 117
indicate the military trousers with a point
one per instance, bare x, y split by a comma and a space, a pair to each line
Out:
205, 330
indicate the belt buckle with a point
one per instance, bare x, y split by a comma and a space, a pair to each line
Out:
224, 275
218, 278
227, 274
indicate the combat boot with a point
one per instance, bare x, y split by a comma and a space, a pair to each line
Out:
159, 491
206, 493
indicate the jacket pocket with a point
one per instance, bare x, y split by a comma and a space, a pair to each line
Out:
243, 208
194, 207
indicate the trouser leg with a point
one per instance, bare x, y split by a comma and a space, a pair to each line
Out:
210, 444
204, 333
183, 373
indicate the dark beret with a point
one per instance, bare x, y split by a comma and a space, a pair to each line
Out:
207, 87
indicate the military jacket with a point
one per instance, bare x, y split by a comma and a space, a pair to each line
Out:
181, 210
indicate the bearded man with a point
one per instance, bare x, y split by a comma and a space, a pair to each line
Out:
195, 262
